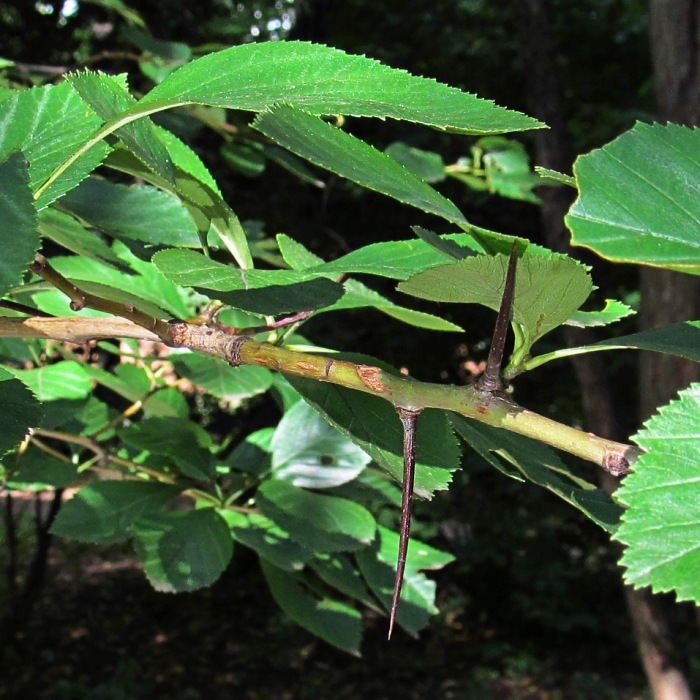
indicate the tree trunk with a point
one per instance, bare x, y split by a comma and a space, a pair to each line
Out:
670, 297
545, 98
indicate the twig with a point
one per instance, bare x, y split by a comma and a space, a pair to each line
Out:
81, 299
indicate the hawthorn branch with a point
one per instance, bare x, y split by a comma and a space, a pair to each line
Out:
496, 410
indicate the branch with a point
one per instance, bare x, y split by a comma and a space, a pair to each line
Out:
405, 392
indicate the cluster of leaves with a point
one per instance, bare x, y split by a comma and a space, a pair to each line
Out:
311, 495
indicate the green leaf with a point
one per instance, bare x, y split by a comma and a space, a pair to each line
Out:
357, 296
231, 384
198, 192
449, 248
318, 522
261, 291
540, 465
246, 158
612, 312
339, 571
64, 230
109, 96
296, 255
372, 423
329, 147
333, 621
37, 470
63, 380
681, 339
309, 453
20, 239
661, 527
137, 212
396, 259
183, 550
160, 57
426, 165
322, 80
554, 178
638, 198
20, 410
378, 567
547, 290
106, 510
267, 539
184, 442
253, 454
48, 124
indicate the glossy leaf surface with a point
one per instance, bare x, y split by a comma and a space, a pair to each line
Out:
638, 199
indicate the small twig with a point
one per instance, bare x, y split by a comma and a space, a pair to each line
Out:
81, 299
491, 380
23, 309
409, 417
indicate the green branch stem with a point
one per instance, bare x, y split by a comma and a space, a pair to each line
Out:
404, 393
497, 411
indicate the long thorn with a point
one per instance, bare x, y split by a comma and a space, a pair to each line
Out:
491, 380
408, 418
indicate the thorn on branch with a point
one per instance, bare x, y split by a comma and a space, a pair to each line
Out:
409, 417
491, 381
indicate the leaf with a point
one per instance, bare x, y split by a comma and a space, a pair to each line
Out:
261, 291
540, 465
309, 453
333, 621
20, 410
37, 470
109, 96
67, 232
426, 165
253, 454
612, 312
372, 423
20, 239
63, 380
196, 189
449, 248
49, 124
106, 510
296, 255
183, 550
339, 571
554, 178
357, 296
218, 378
136, 213
547, 290
638, 198
318, 522
267, 539
680, 339
396, 259
184, 442
329, 147
661, 527
244, 157
322, 80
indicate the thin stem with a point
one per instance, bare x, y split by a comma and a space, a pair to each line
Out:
81, 299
